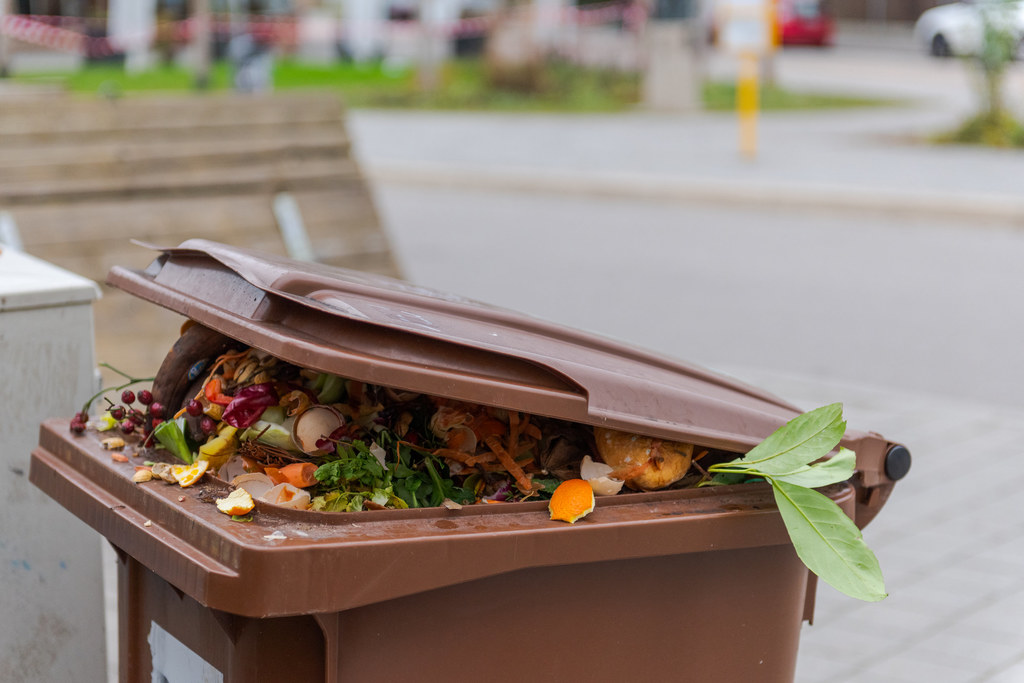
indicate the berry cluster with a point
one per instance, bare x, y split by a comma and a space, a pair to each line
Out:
144, 417
195, 409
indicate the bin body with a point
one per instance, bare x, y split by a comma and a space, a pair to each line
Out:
652, 619
52, 600
689, 584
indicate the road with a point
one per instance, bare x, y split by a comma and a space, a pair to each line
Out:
830, 283
914, 305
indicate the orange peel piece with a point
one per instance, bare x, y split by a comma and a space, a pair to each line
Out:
571, 501
238, 502
186, 475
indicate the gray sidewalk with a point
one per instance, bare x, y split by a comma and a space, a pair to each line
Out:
950, 542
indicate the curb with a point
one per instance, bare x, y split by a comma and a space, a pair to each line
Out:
653, 187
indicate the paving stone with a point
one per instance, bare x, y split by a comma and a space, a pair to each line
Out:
1012, 673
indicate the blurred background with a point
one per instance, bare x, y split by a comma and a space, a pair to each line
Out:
821, 198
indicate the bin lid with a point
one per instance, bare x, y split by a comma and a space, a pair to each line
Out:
29, 283
385, 331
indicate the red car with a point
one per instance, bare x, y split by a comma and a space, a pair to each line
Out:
800, 22
803, 22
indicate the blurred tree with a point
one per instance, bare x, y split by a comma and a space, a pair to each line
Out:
513, 60
202, 42
998, 48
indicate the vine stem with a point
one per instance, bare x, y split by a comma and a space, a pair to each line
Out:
131, 381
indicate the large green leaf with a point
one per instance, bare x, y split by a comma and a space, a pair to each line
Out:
828, 542
799, 442
838, 468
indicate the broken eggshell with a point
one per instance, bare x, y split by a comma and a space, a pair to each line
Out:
317, 423
256, 483
235, 467
596, 474
288, 496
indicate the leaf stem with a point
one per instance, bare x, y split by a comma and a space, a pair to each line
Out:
725, 469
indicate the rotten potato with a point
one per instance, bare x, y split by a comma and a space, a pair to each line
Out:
643, 462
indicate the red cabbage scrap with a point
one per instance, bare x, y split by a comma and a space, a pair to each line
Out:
248, 405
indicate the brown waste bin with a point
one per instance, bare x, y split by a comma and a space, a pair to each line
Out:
696, 584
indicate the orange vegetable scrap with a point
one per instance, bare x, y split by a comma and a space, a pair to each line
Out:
298, 474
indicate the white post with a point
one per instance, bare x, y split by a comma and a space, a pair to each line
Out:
362, 28
672, 80
131, 26
547, 22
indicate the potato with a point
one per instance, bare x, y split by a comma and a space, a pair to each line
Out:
645, 463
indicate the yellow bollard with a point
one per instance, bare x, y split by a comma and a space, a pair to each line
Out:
747, 103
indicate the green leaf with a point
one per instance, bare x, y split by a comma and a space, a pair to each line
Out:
838, 468
170, 436
828, 542
800, 441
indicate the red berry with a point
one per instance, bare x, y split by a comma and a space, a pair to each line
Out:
156, 409
127, 397
117, 412
127, 426
82, 416
156, 421
194, 408
136, 416
145, 397
208, 425
77, 427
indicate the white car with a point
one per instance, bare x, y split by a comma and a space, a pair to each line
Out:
957, 29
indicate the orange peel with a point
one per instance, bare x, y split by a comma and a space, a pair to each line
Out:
571, 501
238, 502
186, 475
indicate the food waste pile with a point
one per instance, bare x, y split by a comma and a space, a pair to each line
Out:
301, 438
292, 437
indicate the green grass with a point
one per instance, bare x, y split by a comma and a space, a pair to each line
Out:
720, 96
463, 85
1000, 130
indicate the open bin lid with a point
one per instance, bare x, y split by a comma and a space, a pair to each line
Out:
392, 333
389, 332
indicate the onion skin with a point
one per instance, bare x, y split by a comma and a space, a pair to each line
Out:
645, 463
